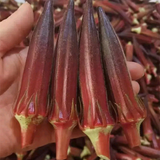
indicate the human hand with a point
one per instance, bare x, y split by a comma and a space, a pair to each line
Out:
12, 60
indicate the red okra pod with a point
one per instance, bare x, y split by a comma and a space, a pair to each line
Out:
140, 55
115, 21
4, 14
144, 31
144, 11
122, 156
129, 51
120, 26
158, 7
147, 128
131, 152
32, 102
131, 111
114, 8
63, 114
133, 5
96, 121
148, 151
142, 38
154, 116
105, 7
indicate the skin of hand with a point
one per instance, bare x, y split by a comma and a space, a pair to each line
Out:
12, 60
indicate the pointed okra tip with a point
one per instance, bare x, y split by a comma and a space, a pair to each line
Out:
45, 18
103, 19
88, 6
106, 30
68, 19
71, 4
89, 3
101, 13
48, 4
69, 14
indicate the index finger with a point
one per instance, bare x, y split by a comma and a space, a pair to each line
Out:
15, 28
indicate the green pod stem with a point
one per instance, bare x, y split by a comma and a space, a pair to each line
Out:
32, 102
131, 111
63, 114
96, 121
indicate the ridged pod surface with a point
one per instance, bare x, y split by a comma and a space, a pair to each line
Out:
96, 121
131, 111
32, 102
63, 115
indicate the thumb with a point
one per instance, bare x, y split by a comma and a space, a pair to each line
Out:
15, 28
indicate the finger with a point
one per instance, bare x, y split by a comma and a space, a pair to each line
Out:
15, 28
136, 87
136, 70
41, 139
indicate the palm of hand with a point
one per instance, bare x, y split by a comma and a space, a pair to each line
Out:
11, 69
12, 31
13, 64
